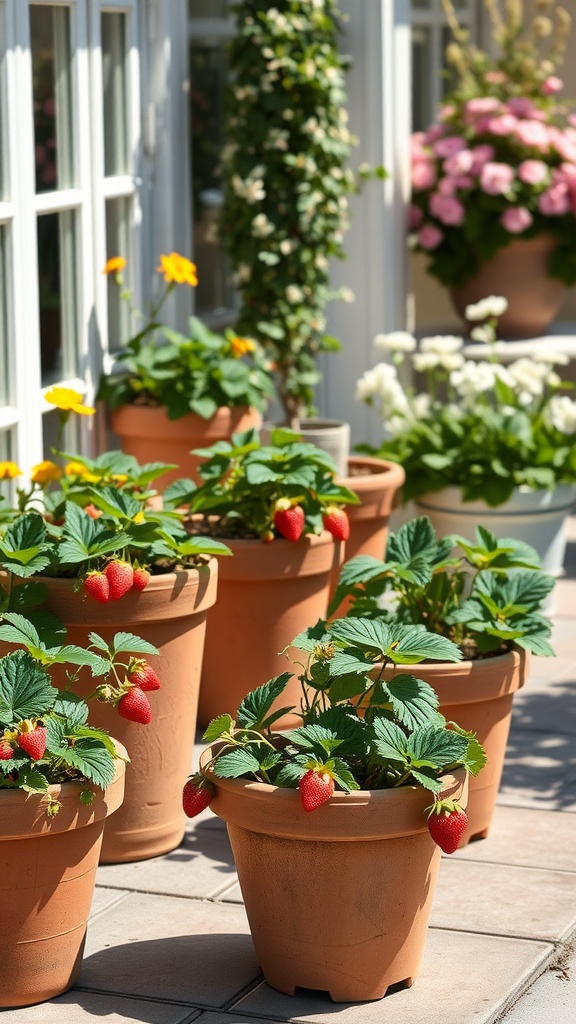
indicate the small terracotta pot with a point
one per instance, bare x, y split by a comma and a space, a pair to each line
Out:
171, 614
46, 885
146, 433
478, 696
338, 899
267, 594
519, 272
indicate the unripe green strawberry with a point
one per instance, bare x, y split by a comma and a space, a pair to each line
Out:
97, 586
120, 576
289, 519
145, 677
33, 742
135, 706
141, 579
337, 523
196, 795
316, 788
447, 824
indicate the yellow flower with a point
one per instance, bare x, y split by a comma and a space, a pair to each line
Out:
114, 265
9, 470
77, 469
240, 346
178, 269
68, 401
45, 472
119, 478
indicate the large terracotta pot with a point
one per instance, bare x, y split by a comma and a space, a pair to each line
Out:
267, 594
478, 696
46, 885
519, 272
146, 433
338, 899
171, 614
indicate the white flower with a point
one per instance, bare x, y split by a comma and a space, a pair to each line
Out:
562, 413
346, 294
493, 305
382, 385
243, 273
441, 344
425, 361
531, 377
396, 341
255, 191
422, 405
320, 261
482, 333
294, 293
261, 226
286, 246
474, 379
550, 356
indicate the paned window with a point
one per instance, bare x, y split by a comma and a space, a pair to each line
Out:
430, 36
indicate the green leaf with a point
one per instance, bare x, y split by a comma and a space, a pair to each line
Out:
256, 705
363, 633
217, 728
25, 691
413, 700
90, 758
19, 630
390, 741
128, 643
438, 748
236, 764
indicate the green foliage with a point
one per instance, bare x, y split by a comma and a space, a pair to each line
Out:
375, 734
483, 597
244, 479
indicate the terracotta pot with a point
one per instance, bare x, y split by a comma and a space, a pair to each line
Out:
146, 433
377, 483
46, 886
339, 899
171, 614
519, 272
478, 695
267, 594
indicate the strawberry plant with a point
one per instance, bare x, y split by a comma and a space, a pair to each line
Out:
359, 731
254, 490
485, 596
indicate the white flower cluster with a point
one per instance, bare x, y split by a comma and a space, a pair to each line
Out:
491, 306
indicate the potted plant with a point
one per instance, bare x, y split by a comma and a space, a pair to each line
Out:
328, 822
494, 178
279, 509
84, 543
487, 598
487, 441
170, 392
61, 776
286, 183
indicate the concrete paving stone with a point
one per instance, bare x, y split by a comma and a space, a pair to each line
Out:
200, 867
177, 950
540, 770
498, 899
105, 898
85, 1007
527, 838
464, 978
547, 705
551, 999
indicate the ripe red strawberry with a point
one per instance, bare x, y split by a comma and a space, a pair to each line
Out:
92, 511
198, 792
141, 579
96, 584
316, 787
120, 576
6, 752
145, 677
446, 824
33, 743
337, 523
289, 519
135, 706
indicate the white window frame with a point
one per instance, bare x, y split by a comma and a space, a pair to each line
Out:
434, 19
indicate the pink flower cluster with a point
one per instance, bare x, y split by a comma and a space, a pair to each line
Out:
503, 148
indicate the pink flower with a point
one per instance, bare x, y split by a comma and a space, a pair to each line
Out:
415, 216
552, 85
496, 77
496, 178
445, 112
430, 237
572, 120
503, 125
417, 143
516, 219
449, 146
435, 131
463, 181
459, 163
447, 186
533, 172
480, 106
568, 172
564, 142
482, 154
533, 134
521, 106
555, 201
423, 175
447, 209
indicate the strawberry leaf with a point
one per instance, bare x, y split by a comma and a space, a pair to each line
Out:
255, 707
235, 764
413, 700
217, 728
91, 759
128, 643
25, 691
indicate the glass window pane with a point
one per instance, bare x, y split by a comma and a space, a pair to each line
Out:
114, 84
3, 93
118, 244
208, 74
56, 262
4, 365
50, 45
421, 78
207, 8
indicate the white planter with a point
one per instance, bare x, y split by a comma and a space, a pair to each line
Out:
535, 517
332, 436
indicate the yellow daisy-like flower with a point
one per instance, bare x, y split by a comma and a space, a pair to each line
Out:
114, 265
178, 269
240, 346
77, 469
119, 478
9, 470
68, 401
45, 472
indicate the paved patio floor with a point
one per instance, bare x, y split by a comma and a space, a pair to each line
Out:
168, 941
